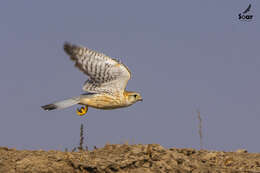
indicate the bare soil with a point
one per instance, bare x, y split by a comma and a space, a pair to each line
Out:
124, 158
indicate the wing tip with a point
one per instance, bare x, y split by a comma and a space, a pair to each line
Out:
67, 47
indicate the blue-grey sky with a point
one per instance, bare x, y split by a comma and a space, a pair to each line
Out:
183, 55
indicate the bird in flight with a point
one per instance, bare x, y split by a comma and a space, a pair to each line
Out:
105, 88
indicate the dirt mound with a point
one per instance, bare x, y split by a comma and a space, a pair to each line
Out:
128, 158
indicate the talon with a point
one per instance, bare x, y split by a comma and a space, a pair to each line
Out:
82, 110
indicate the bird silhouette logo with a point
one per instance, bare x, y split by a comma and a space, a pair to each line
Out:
248, 9
245, 16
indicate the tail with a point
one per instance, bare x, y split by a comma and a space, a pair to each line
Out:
62, 104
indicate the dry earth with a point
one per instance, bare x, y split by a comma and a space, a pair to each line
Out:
125, 158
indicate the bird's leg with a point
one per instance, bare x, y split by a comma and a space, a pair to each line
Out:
82, 110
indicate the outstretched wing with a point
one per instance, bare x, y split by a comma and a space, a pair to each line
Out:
105, 74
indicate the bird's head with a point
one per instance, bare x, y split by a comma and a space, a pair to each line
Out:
133, 97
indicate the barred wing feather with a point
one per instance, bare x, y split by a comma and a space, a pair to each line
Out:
105, 74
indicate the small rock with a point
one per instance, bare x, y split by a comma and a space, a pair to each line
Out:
241, 151
229, 161
210, 156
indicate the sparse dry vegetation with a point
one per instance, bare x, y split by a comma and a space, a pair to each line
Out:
81, 142
200, 128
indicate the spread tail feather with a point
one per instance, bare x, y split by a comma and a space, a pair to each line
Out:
62, 104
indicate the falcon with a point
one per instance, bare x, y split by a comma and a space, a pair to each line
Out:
106, 85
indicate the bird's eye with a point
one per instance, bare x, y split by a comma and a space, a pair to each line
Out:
135, 95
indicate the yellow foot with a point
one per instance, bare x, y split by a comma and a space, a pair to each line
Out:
82, 110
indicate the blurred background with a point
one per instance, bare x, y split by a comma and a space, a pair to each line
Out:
184, 56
